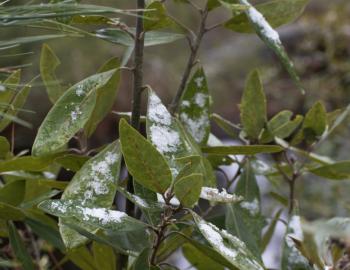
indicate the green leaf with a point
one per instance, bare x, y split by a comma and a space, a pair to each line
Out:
9, 212
144, 162
69, 114
242, 149
25, 40
230, 129
12, 188
19, 249
95, 217
48, 65
46, 232
244, 219
253, 106
14, 107
71, 162
104, 256
188, 189
17, 14
314, 125
95, 186
82, 258
281, 126
276, 12
157, 18
27, 163
292, 257
212, 4
142, 262
229, 246
4, 147
173, 242
336, 171
194, 109
271, 38
152, 38
267, 236
198, 259
105, 96
10, 85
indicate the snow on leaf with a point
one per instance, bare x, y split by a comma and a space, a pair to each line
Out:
94, 185
229, 246
194, 107
253, 207
214, 195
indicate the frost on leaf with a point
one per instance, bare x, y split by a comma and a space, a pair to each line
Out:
94, 185
229, 246
214, 195
194, 107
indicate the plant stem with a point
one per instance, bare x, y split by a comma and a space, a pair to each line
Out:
136, 102
191, 61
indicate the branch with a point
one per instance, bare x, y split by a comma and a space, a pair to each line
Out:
191, 61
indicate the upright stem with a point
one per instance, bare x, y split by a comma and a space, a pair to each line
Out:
136, 101
191, 61
138, 67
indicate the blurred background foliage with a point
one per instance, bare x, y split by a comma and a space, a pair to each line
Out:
318, 43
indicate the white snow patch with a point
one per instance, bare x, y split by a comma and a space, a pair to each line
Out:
75, 114
2, 88
213, 194
199, 81
196, 127
252, 207
157, 112
166, 140
200, 99
185, 103
104, 216
262, 23
80, 90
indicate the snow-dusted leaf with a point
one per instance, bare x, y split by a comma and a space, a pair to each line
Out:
144, 162
272, 39
170, 138
94, 185
277, 13
292, 258
98, 218
229, 246
214, 195
244, 219
194, 108
69, 114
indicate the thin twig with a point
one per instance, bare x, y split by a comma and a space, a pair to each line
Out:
191, 61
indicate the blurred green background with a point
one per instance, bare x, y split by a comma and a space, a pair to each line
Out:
318, 42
